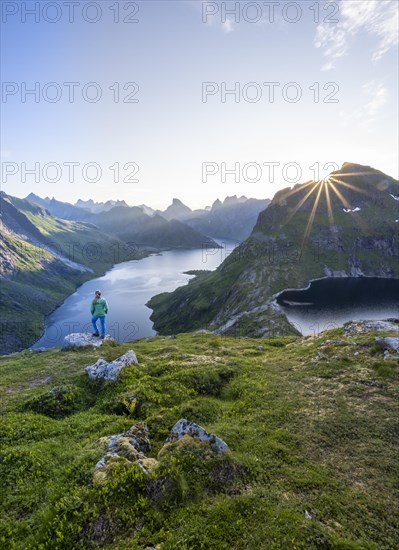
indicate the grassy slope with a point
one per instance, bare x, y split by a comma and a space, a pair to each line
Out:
313, 425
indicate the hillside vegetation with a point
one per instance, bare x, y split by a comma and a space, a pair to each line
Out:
311, 423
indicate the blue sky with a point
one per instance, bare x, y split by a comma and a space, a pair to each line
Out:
174, 142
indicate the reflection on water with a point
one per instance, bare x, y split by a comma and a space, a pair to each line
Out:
127, 287
329, 303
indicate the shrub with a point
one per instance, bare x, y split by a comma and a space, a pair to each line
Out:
56, 403
201, 410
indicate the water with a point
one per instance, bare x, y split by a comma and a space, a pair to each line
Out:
127, 287
329, 303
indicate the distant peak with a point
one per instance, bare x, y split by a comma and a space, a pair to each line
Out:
350, 166
233, 198
217, 203
364, 173
178, 203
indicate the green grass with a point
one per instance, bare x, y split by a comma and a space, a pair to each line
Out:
310, 426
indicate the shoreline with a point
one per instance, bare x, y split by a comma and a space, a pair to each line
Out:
145, 253
77, 286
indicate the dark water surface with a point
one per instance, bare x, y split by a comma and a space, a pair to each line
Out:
127, 287
329, 303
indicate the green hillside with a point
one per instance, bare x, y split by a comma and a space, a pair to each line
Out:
311, 424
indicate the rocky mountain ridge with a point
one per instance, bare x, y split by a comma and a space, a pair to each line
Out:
233, 218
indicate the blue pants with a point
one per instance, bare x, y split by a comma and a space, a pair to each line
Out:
102, 321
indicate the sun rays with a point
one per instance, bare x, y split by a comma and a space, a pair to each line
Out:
328, 200
313, 213
327, 188
348, 185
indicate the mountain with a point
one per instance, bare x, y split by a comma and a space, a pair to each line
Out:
59, 209
96, 207
343, 226
42, 260
311, 426
177, 211
133, 226
146, 209
234, 218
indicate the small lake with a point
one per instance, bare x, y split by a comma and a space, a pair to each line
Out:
127, 287
329, 303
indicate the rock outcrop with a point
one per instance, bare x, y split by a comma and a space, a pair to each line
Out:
357, 327
131, 446
127, 447
110, 370
80, 339
185, 427
387, 344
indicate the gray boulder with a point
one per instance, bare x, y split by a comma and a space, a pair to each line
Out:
137, 436
388, 342
80, 339
358, 327
109, 371
184, 427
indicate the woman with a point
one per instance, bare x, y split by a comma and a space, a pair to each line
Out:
98, 309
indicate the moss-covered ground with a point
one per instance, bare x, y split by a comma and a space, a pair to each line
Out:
312, 426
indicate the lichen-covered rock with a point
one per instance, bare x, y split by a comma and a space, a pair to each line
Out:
123, 447
109, 371
138, 437
80, 339
185, 427
129, 446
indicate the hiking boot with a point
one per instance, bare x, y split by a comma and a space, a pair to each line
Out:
102, 337
96, 334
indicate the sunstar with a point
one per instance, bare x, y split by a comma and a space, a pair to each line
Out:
331, 182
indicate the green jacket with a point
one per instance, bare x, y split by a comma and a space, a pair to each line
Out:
99, 308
